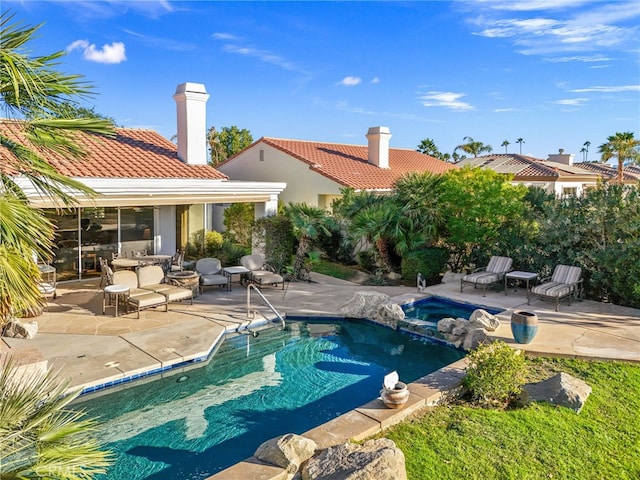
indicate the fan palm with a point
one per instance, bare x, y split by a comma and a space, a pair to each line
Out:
473, 147
623, 146
39, 436
43, 100
308, 223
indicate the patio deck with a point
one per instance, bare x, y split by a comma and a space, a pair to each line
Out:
90, 347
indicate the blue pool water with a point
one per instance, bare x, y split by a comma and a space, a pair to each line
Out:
433, 309
194, 423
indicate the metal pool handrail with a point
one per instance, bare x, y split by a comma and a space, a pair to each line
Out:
250, 287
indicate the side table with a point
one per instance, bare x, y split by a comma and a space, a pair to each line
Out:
116, 291
518, 275
231, 271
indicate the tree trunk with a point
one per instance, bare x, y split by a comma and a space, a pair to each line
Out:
383, 249
301, 254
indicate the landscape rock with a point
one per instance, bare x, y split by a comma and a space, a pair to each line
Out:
373, 460
474, 337
446, 325
561, 389
18, 329
484, 319
374, 306
451, 277
287, 451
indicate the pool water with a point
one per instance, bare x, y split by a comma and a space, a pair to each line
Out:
434, 309
195, 423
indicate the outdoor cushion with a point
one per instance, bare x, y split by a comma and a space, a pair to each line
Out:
152, 278
493, 273
210, 270
564, 282
259, 271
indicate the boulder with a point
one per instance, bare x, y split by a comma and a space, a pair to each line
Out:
288, 451
450, 277
485, 320
374, 306
373, 460
474, 337
561, 389
18, 329
446, 325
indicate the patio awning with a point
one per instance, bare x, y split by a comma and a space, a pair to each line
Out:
119, 192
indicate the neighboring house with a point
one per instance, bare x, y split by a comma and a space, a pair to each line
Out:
558, 174
315, 172
152, 194
630, 174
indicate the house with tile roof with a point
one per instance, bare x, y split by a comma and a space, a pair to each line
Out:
630, 173
315, 172
152, 195
558, 174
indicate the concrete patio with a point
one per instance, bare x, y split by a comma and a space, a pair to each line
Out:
90, 347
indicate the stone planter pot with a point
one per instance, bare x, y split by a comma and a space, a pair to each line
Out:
524, 326
395, 397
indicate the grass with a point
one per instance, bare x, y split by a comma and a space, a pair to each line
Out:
536, 442
335, 270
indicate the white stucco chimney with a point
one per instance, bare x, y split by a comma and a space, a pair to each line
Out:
378, 138
561, 157
191, 106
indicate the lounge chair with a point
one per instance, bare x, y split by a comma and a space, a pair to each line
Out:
261, 273
152, 278
566, 281
139, 298
211, 275
493, 273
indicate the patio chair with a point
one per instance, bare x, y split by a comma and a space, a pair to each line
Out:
566, 281
139, 298
261, 273
211, 275
177, 262
491, 274
152, 278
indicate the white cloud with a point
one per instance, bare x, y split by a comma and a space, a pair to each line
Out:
374, 80
502, 110
445, 99
610, 89
573, 102
265, 56
579, 58
350, 81
557, 26
224, 36
113, 53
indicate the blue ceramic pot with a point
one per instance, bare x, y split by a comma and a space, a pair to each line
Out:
524, 326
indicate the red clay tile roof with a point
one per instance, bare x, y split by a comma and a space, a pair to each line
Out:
525, 166
629, 172
132, 153
348, 164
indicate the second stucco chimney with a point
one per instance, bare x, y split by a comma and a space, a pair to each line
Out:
378, 138
561, 157
191, 106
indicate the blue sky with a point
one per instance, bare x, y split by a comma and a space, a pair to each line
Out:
556, 73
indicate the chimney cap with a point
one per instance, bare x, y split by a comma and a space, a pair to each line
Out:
377, 130
561, 151
191, 87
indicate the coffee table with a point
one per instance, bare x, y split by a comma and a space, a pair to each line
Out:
518, 275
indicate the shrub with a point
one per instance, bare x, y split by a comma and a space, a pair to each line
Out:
366, 260
496, 373
213, 243
430, 262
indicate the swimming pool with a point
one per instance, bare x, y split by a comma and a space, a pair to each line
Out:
192, 424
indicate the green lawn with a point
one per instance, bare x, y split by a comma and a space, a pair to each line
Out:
335, 270
537, 442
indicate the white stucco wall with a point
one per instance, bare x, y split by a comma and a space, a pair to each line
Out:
303, 185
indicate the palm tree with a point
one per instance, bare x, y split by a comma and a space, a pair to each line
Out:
39, 436
44, 100
379, 224
505, 144
520, 141
585, 150
473, 147
428, 147
623, 146
308, 224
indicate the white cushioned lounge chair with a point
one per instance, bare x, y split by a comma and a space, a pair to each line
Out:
139, 298
261, 273
152, 278
566, 281
211, 275
493, 273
